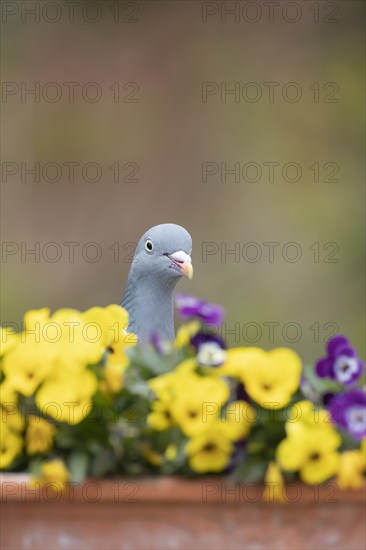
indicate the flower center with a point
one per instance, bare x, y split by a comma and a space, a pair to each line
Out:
209, 448
192, 414
314, 457
346, 368
266, 387
211, 354
356, 417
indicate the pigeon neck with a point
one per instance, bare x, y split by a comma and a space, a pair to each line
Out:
150, 305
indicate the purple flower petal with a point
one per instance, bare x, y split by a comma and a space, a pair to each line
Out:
187, 305
211, 314
190, 306
341, 362
346, 350
334, 343
347, 368
202, 338
323, 368
327, 398
348, 410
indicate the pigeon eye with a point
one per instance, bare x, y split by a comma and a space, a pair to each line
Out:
149, 246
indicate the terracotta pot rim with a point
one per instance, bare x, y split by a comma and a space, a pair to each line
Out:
15, 487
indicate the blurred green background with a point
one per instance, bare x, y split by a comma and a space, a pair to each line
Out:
168, 51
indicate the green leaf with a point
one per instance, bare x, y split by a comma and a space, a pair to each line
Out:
35, 466
103, 463
65, 439
78, 465
321, 385
252, 471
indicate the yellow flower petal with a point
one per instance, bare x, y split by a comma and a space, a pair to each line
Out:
11, 445
53, 472
270, 378
68, 398
39, 435
239, 416
274, 484
321, 469
209, 452
350, 473
185, 333
291, 454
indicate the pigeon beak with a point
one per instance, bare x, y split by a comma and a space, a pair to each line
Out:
183, 262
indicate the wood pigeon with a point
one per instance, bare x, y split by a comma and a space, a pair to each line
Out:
162, 257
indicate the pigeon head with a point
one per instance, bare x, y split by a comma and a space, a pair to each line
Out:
163, 252
162, 257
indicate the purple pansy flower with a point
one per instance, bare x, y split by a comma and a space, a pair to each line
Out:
348, 410
341, 363
210, 349
189, 306
201, 338
211, 355
327, 398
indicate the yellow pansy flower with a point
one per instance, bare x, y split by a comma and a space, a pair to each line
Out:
167, 385
198, 402
118, 326
36, 317
84, 337
363, 451
171, 452
113, 377
68, 398
100, 317
188, 366
52, 472
185, 333
8, 395
162, 386
11, 419
239, 417
160, 417
313, 454
350, 473
116, 355
11, 444
28, 364
310, 448
209, 451
154, 458
307, 415
270, 378
8, 340
237, 361
39, 435
80, 342
112, 322
274, 484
